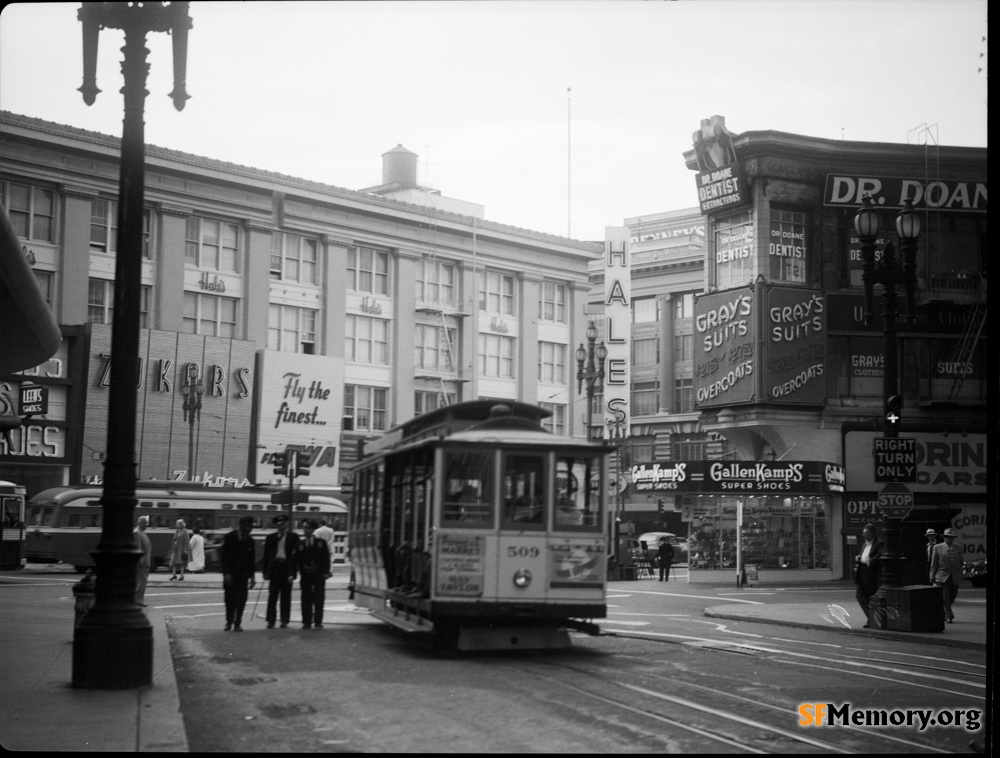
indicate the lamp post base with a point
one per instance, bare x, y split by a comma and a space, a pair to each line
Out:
913, 608
113, 658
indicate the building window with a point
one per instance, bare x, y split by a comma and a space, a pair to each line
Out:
645, 352
291, 329
367, 271
435, 282
425, 402
433, 348
551, 362
645, 398
104, 226
683, 305
683, 395
683, 347
496, 293
787, 246
552, 305
496, 356
294, 258
734, 251
212, 244
643, 310
365, 408
556, 423
46, 282
101, 299
209, 314
30, 210
367, 340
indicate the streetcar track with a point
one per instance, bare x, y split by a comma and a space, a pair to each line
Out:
690, 705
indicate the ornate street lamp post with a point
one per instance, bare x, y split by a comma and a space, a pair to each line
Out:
590, 369
890, 271
113, 645
193, 390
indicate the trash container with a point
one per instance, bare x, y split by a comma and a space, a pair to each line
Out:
84, 593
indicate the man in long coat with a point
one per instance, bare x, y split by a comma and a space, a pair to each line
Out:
279, 571
946, 570
238, 557
867, 572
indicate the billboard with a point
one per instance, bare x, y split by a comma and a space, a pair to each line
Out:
300, 407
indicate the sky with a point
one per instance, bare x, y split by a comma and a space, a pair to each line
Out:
559, 116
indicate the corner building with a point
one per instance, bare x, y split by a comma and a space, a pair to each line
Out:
313, 316
787, 371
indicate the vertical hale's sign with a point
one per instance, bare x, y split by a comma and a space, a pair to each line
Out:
617, 326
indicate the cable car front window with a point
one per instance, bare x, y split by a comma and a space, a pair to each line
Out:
524, 491
468, 495
577, 504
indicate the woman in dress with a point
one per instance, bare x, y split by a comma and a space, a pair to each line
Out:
180, 552
197, 564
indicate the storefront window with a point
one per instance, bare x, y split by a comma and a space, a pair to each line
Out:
778, 532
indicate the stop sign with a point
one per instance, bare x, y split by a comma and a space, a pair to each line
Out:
895, 501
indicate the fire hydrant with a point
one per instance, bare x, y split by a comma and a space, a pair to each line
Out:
84, 592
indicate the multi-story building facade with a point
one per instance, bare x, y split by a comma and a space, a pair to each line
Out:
312, 316
786, 378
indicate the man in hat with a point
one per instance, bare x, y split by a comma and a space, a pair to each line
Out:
279, 571
946, 570
665, 554
313, 562
238, 557
931, 536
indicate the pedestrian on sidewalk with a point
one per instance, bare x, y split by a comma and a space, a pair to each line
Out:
238, 557
145, 560
931, 536
665, 556
946, 570
313, 561
197, 563
326, 534
279, 571
180, 552
867, 572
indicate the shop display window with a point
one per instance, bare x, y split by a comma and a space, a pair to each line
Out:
777, 533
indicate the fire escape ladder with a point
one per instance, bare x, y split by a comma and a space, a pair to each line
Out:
449, 347
967, 347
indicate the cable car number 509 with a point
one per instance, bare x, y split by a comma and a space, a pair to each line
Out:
522, 552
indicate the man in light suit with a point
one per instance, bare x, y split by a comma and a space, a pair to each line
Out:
946, 570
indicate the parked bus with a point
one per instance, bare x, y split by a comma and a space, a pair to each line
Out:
12, 512
63, 524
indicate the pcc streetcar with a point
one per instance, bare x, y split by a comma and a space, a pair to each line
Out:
12, 535
477, 527
64, 523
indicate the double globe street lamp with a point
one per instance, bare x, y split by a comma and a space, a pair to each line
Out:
590, 369
890, 271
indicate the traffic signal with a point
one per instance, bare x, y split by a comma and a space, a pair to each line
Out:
302, 465
893, 405
660, 507
280, 461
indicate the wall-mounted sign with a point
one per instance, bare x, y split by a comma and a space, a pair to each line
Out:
741, 477
724, 362
795, 329
954, 464
720, 180
617, 327
847, 191
34, 400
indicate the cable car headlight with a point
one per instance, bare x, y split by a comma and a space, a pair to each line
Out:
522, 578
